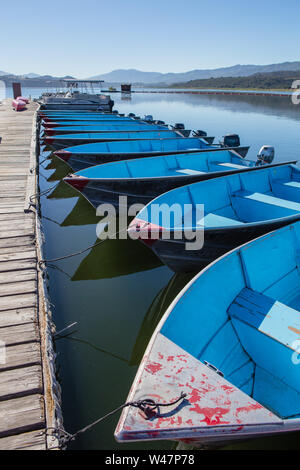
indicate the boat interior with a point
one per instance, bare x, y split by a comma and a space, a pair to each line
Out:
250, 330
169, 165
243, 198
109, 127
140, 146
152, 134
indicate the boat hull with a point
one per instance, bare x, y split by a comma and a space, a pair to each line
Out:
139, 190
173, 253
80, 161
61, 142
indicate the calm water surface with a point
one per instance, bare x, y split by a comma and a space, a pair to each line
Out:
118, 291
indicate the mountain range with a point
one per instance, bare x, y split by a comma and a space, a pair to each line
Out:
138, 77
26, 75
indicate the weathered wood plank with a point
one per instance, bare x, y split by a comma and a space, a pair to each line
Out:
12, 302
16, 266
20, 382
18, 251
17, 316
15, 288
21, 414
21, 355
19, 334
19, 275
26, 441
16, 241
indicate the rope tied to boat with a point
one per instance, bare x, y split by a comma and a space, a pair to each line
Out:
42, 193
44, 262
37, 196
147, 406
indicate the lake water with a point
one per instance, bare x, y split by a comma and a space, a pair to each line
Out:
118, 291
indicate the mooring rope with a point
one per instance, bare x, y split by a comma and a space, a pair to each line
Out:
42, 193
148, 406
76, 253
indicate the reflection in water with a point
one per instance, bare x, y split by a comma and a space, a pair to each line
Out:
83, 213
62, 191
155, 312
115, 258
61, 169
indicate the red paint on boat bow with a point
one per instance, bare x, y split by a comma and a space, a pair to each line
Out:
78, 182
48, 140
148, 232
51, 124
48, 131
63, 154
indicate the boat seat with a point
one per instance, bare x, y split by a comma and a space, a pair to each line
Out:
258, 206
286, 189
216, 220
231, 165
187, 171
269, 332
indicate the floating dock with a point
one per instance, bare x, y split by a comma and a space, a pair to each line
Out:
28, 403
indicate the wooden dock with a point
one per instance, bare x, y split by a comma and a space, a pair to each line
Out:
26, 405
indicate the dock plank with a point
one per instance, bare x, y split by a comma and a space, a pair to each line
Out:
26, 441
20, 382
17, 316
21, 355
19, 334
20, 415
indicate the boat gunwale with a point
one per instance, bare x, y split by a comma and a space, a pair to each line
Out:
242, 225
293, 423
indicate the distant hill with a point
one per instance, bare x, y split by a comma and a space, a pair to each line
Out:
139, 77
271, 80
33, 80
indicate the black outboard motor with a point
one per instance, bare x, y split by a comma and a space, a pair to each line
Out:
148, 118
230, 140
131, 115
265, 155
160, 123
115, 111
199, 133
178, 126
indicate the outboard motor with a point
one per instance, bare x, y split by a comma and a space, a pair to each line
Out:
160, 123
131, 115
265, 155
115, 111
230, 140
178, 126
199, 133
148, 118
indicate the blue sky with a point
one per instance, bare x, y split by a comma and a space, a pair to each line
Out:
88, 37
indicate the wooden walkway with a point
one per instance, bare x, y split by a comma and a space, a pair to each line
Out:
22, 391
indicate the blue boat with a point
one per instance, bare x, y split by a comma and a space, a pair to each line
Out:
227, 211
121, 127
225, 355
83, 156
142, 180
61, 141
74, 120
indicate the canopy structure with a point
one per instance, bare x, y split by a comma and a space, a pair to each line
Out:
86, 86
